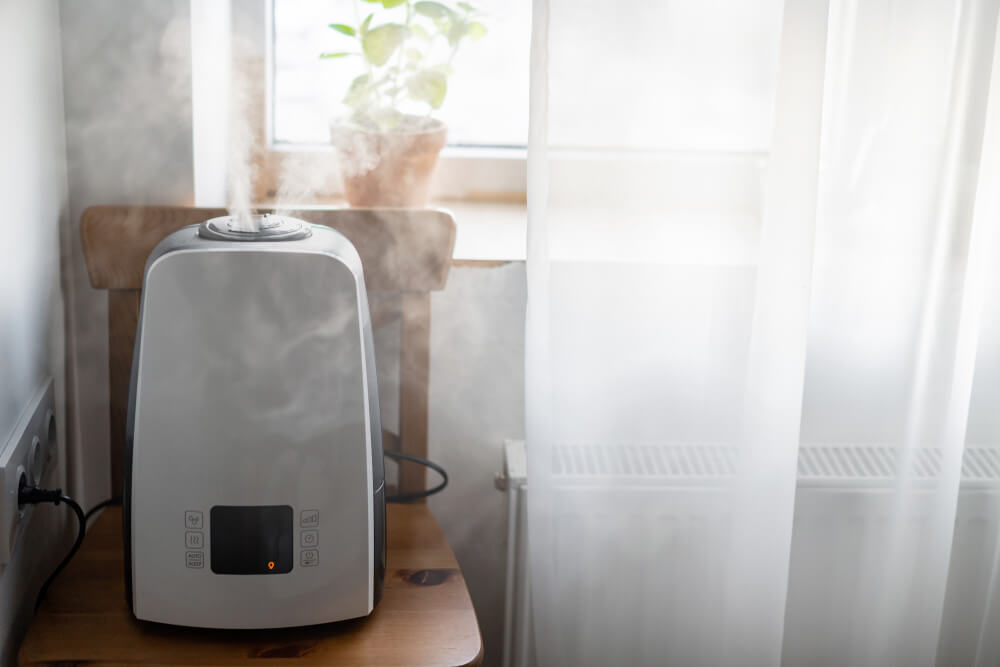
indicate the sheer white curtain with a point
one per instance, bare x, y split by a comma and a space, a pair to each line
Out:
763, 341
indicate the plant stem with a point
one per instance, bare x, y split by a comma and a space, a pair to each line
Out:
454, 50
368, 65
399, 58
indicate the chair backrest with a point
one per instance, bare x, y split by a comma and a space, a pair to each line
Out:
406, 254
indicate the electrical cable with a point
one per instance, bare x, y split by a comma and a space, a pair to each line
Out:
415, 495
32, 495
115, 500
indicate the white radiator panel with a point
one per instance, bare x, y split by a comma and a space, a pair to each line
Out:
661, 514
836, 540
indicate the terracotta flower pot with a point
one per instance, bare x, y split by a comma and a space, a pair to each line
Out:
391, 168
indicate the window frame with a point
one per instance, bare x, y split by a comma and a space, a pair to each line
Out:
468, 173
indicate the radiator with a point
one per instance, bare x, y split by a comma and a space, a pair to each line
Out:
843, 505
518, 647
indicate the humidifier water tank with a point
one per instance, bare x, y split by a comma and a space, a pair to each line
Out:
254, 493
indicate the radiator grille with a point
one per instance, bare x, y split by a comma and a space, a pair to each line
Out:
817, 463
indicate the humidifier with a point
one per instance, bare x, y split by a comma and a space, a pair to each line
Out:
254, 493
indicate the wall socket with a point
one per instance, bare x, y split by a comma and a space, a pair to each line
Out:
29, 453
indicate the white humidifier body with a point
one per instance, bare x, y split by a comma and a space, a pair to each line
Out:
254, 494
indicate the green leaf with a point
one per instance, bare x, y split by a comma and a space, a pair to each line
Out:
420, 31
413, 54
336, 54
476, 30
387, 118
457, 32
434, 10
357, 91
428, 86
380, 43
389, 4
466, 6
365, 24
443, 25
360, 80
344, 29
373, 2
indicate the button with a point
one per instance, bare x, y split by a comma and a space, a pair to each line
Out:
310, 558
193, 520
195, 559
310, 538
309, 518
194, 539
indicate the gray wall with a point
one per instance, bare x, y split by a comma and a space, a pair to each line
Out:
127, 69
476, 402
32, 228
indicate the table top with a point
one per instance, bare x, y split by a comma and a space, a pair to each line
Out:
425, 616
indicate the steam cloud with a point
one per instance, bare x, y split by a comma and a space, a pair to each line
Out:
301, 176
244, 147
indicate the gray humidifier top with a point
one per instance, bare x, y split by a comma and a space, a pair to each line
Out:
255, 227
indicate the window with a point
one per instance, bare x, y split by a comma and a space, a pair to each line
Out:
487, 100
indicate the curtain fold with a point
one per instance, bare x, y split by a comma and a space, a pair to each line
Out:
762, 309
983, 277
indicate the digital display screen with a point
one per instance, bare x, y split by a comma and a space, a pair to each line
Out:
251, 540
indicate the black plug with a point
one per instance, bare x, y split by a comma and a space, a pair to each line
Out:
32, 495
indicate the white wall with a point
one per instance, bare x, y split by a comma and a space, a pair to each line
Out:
33, 225
128, 141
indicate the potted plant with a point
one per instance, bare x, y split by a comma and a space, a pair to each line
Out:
389, 142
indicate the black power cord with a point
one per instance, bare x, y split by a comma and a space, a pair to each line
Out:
32, 495
407, 497
116, 500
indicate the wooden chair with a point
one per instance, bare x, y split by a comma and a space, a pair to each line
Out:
425, 616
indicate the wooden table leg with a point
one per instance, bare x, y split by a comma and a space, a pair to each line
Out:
123, 315
414, 376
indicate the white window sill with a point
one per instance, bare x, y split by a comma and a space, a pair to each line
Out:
488, 231
496, 231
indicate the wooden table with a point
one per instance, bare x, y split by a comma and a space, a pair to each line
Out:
425, 616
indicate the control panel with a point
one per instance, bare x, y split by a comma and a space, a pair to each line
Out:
309, 538
194, 534
250, 539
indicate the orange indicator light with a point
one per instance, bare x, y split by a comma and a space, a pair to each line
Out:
270, 564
